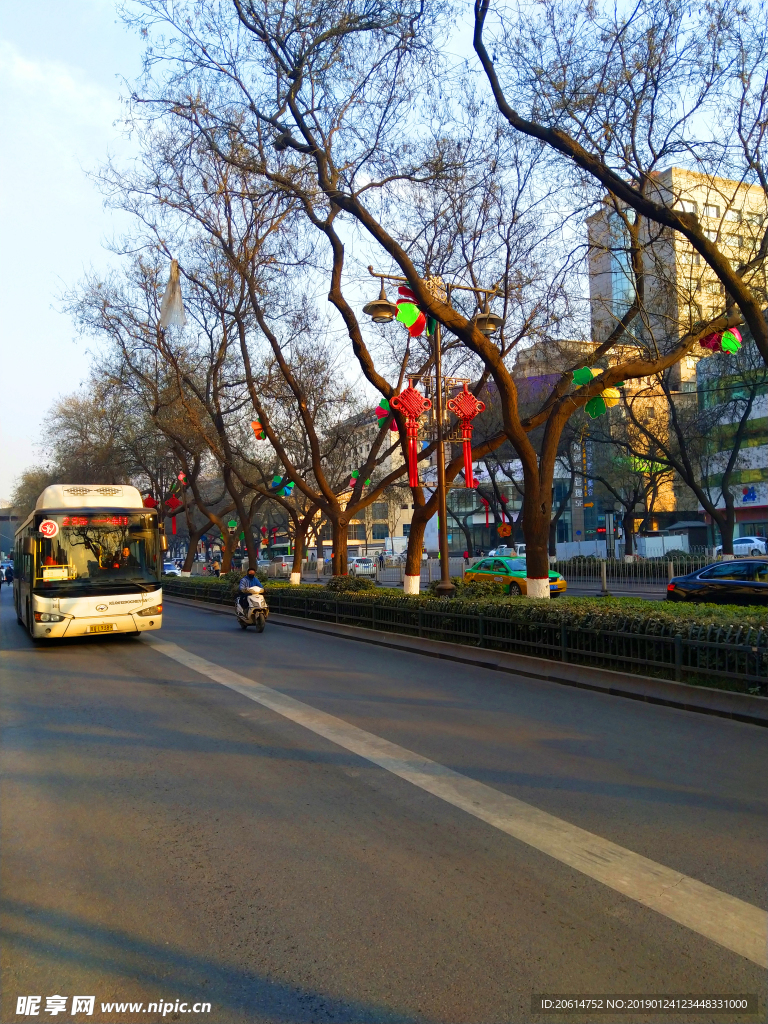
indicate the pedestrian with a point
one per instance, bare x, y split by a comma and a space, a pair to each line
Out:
466, 558
381, 560
217, 568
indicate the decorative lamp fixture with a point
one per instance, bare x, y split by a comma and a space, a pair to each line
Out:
466, 407
282, 489
355, 477
412, 404
381, 310
605, 400
486, 321
258, 430
723, 341
382, 413
408, 312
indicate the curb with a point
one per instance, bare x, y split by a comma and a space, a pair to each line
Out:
740, 707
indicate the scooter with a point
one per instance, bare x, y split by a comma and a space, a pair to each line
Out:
257, 612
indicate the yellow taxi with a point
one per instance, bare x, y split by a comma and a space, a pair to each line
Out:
512, 572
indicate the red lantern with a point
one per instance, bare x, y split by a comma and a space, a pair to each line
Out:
173, 503
149, 502
412, 404
486, 505
466, 407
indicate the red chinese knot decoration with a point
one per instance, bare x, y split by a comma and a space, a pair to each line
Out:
412, 404
466, 407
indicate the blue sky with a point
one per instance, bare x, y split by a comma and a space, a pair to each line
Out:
60, 88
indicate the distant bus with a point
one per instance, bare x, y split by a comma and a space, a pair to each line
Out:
88, 560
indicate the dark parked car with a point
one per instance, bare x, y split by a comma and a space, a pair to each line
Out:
742, 581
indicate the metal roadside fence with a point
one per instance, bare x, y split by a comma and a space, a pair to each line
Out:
645, 572
707, 653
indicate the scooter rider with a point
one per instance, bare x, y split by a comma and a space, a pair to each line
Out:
248, 581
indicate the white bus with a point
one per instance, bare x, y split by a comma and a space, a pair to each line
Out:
88, 560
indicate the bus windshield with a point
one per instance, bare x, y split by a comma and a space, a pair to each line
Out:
97, 548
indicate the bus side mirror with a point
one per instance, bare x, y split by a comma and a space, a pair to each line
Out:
28, 545
163, 542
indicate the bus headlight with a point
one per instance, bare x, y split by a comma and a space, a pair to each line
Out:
156, 609
48, 617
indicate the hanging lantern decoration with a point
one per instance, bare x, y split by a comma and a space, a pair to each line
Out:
412, 404
355, 477
282, 486
264, 540
408, 312
723, 341
503, 500
172, 306
182, 478
258, 430
382, 413
466, 407
605, 400
173, 525
486, 505
172, 503
149, 501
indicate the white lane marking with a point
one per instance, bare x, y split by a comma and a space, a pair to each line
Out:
731, 922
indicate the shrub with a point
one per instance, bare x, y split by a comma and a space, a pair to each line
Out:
470, 589
343, 584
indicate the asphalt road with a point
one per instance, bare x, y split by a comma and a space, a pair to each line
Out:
167, 838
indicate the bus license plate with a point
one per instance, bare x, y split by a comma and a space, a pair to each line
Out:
103, 627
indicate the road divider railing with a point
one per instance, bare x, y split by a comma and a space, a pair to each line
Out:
728, 657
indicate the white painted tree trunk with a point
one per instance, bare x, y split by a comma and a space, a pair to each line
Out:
411, 584
728, 558
295, 579
538, 588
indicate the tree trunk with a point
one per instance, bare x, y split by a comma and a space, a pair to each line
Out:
340, 563
242, 514
412, 581
299, 542
628, 525
319, 545
228, 545
194, 540
726, 523
537, 512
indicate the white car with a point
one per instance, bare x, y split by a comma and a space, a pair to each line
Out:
361, 567
516, 551
171, 569
746, 546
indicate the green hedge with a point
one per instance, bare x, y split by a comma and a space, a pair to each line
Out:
729, 623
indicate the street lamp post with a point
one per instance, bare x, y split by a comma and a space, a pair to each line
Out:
382, 310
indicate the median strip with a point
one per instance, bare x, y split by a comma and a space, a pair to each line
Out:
726, 920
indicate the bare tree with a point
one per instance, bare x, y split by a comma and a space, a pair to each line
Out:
619, 93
